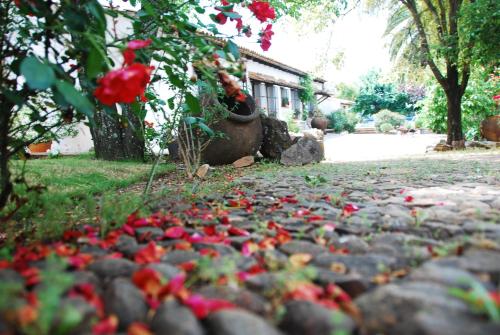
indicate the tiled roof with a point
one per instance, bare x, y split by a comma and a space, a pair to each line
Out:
272, 80
250, 54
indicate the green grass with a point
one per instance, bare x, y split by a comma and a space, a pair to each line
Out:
74, 191
79, 176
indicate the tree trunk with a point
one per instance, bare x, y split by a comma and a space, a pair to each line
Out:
114, 140
5, 182
454, 94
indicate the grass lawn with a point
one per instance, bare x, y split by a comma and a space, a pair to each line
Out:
79, 176
76, 190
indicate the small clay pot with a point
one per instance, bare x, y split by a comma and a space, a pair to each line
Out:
319, 123
490, 128
38, 148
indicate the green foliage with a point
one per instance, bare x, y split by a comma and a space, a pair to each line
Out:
306, 94
385, 117
477, 104
375, 96
292, 126
385, 127
347, 92
343, 120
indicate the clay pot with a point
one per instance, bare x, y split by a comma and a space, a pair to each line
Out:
490, 128
319, 122
243, 134
40, 147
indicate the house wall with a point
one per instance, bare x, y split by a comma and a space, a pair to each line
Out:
272, 93
333, 104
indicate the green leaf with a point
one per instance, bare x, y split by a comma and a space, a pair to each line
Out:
75, 98
232, 15
206, 129
39, 76
95, 63
193, 103
233, 49
190, 120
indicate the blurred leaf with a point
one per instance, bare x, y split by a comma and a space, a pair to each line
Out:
75, 98
39, 76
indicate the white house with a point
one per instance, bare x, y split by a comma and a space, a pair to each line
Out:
274, 85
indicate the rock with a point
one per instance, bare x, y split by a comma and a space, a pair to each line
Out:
305, 317
447, 276
439, 322
172, 318
111, 268
127, 245
177, 257
146, 234
442, 146
480, 144
302, 247
238, 322
166, 270
365, 265
316, 134
241, 297
305, 151
276, 137
354, 244
398, 307
244, 162
353, 284
123, 299
202, 171
87, 277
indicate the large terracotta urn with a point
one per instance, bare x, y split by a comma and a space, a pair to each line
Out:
38, 148
242, 134
319, 122
490, 128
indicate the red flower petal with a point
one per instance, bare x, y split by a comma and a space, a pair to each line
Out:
175, 232
139, 44
150, 254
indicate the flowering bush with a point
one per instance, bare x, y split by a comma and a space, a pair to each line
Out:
66, 51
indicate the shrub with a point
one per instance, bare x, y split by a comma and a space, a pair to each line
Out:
342, 120
386, 127
391, 118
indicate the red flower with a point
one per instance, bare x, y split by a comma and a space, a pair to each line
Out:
349, 209
106, 326
128, 56
262, 10
201, 306
138, 328
138, 44
148, 280
238, 231
409, 198
496, 97
150, 254
123, 85
175, 232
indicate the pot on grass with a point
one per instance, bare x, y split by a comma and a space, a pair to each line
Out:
242, 134
41, 147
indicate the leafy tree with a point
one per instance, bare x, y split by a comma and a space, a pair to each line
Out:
346, 91
477, 104
375, 96
453, 36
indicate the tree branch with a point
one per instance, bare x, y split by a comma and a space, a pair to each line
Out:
412, 7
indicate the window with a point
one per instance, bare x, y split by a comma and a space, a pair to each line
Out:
285, 99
